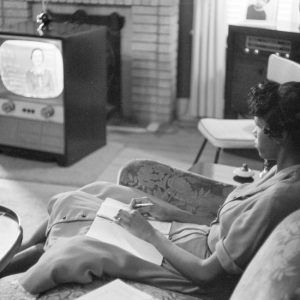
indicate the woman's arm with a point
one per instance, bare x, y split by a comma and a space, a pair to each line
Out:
164, 211
194, 268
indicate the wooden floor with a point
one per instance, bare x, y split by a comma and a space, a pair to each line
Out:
180, 141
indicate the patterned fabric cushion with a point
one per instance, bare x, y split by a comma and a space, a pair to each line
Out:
187, 190
12, 290
274, 273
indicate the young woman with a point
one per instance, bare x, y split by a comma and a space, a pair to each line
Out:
39, 79
194, 256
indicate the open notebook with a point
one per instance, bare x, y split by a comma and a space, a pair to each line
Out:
116, 290
105, 229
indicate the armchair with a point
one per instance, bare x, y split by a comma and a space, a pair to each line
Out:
194, 192
178, 187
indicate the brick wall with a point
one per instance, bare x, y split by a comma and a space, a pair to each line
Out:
153, 50
13, 11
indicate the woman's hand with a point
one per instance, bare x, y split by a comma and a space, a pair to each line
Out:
160, 210
135, 223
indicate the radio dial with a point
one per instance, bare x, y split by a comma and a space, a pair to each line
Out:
8, 106
47, 112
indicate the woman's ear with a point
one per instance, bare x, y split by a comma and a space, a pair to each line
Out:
282, 139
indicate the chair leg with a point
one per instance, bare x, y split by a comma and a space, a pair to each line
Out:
217, 155
200, 151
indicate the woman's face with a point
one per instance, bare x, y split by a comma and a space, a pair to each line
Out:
267, 146
37, 57
260, 3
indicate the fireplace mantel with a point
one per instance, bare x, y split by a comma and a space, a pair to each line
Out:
148, 51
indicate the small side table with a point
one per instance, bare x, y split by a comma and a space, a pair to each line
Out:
222, 173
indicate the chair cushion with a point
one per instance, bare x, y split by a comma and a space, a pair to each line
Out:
228, 133
274, 272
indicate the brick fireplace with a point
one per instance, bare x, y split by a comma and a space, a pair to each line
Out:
148, 49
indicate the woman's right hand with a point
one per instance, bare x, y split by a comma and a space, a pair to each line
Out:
160, 210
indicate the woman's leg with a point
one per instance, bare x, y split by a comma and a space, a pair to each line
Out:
29, 252
38, 237
23, 260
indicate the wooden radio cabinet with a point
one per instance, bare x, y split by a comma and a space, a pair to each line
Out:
248, 50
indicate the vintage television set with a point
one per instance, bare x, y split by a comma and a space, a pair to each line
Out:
53, 90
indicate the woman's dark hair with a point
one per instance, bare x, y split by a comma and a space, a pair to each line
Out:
279, 106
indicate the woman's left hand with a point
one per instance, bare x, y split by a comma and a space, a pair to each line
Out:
135, 223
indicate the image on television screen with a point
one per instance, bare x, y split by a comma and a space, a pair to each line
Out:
30, 68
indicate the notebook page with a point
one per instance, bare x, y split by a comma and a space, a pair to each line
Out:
116, 290
109, 232
105, 229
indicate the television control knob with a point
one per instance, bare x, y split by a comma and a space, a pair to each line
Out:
47, 111
8, 106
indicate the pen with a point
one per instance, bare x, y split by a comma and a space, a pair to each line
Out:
138, 205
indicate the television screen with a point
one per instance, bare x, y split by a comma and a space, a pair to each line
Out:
30, 68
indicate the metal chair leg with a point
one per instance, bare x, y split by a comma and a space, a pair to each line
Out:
217, 155
200, 151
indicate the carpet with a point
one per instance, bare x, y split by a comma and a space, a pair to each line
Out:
103, 164
128, 154
29, 200
82, 172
